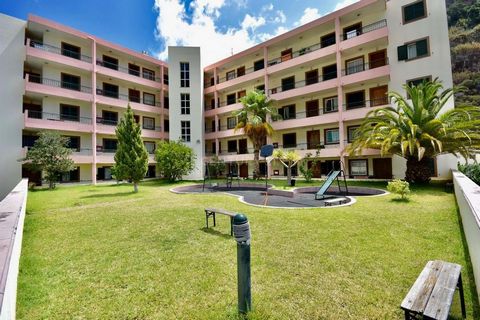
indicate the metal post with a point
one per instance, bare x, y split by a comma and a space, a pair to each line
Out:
241, 231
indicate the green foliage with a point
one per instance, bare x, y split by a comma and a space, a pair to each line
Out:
174, 159
216, 167
305, 170
50, 154
288, 159
399, 187
417, 128
253, 121
131, 158
471, 170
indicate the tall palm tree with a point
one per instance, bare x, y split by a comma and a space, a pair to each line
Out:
417, 130
253, 121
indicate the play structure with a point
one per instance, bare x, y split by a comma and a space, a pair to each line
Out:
229, 179
331, 177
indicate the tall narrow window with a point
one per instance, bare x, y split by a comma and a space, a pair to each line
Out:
185, 103
331, 136
149, 99
184, 74
185, 131
231, 122
148, 123
330, 104
148, 74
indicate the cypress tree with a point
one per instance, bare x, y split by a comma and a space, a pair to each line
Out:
131, 158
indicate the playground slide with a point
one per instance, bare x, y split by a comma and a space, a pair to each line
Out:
330, 178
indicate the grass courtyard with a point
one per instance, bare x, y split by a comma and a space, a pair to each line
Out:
106, 253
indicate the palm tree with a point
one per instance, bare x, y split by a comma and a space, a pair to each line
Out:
417, 130
253, 121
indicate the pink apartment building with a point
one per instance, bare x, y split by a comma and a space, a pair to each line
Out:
324, 76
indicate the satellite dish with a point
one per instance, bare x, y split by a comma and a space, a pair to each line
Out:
266, 150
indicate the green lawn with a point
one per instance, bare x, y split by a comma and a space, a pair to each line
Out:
106, 253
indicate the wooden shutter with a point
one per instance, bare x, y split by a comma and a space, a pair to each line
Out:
402, 53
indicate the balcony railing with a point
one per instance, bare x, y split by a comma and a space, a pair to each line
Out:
365, 66
304, 114
64, 52
303, 83
235, 75
108, 122
368, 28
101, 149
81, 151
119, 96
59, 84
366, 103
57, 117
303, 51
133, 72
237, 151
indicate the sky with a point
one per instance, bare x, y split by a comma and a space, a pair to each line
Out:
219, 27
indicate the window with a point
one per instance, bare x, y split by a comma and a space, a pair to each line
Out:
166, 125
166, 102
148, 74
355, 100
260, 87
330, 104
413, 50
69, 50
242, 146
165, 78
354, 65
311, 108
352, 133
133, 95
286, 55
289, 140
241, 71
230, 75
133, 70
231, 99
232, 146
149, 99
329, 72
241, 94
109, 145
288, 83
136, 118
327, 40
231, 122
110, 90
184, 75
185, 130
69, 113
417, 81
184, 103
311, 77
71, 176
258, 65
214, 147
110, 62
109, 118
73, 143
34, 110
358, 167
287, 112
69, 81
414, 11
352, 31
148, 123
150, 146
332, 136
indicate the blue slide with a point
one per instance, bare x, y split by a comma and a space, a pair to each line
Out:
330, 178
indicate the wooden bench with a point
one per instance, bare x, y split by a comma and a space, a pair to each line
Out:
211, 212
431, 295
329, 202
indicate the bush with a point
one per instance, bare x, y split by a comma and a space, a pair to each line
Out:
399, 187
471, 170
174, 159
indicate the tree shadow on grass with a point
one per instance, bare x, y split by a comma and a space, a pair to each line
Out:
108, 195
216, 233
400, 200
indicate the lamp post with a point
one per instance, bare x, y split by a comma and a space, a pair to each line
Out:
241, 231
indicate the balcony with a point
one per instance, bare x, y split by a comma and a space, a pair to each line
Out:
293, 89
82, 156
113, 98
366, 71
306, 119
54, 121
60, 55
44, 86
375, 31
365, 29
108, 126
355, 110
131, 75
365, 66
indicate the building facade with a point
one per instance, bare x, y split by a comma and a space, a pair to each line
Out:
324, 77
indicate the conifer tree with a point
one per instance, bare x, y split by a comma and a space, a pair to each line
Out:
131, 158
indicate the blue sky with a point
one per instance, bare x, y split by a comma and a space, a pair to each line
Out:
218, 26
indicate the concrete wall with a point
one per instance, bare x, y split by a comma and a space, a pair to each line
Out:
12, 55
468, 200
192, 56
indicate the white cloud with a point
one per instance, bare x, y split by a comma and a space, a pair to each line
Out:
309, 14
174, 29
344, 3
267, 7
280, 18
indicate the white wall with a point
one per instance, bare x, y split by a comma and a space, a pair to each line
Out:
466, 193
191, 55
12, 55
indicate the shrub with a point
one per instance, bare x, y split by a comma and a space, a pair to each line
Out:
399, 187
471, 170
174, 159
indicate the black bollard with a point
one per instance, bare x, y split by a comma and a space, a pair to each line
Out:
241, 231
